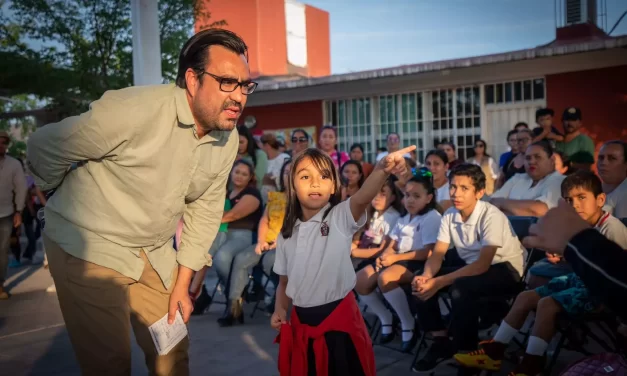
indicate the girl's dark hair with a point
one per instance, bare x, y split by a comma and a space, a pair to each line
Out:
195, 52
286, 163
485, 148
423, 177
251, 170
252, 147
438, 153
510, 134
361, 172
357, 146
323, 163
545, 145
390, 182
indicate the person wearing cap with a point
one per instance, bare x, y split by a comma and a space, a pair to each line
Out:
574, 141
12, 200
545, 129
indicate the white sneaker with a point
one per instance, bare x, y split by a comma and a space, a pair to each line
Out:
51, 288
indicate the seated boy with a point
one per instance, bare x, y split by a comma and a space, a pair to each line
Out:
566, 294
488, 262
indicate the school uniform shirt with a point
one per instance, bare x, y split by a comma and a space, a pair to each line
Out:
381, 225
487, 226
616, 202
442, 193
316, 258
412, 234
613, 229
548, 190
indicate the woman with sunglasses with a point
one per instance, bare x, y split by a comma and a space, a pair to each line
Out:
489, 167
300, 141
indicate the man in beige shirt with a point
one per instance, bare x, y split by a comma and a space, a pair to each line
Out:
145, 157
12, 200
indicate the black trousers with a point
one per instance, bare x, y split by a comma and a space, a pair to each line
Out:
343, 357
470, 297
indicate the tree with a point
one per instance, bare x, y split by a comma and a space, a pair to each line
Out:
88, 44
21, 127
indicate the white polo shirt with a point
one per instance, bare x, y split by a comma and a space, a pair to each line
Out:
613, 229
548, 190
382, 225
412, 234
443, 193
616, 202
486, 226
319, 268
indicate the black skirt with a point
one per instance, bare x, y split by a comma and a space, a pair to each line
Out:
343, 357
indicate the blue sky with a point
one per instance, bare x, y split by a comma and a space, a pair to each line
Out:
371, 34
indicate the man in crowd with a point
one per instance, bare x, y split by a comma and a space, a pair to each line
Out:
574, 141
612, 168
146, 156
12, 200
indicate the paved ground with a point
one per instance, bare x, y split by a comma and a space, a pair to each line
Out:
33, 339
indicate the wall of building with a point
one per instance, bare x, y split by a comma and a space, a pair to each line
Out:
318, 42
601, 94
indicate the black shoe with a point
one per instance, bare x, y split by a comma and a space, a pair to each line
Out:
257, 294
233, 313
202, 302
389, 337
408, 346
441, 350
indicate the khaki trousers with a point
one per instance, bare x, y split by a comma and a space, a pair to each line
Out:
100, 306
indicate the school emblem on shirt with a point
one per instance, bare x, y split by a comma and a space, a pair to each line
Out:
324, 229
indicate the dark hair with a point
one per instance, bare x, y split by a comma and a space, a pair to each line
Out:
471, 171
582, 179
449, 143
390, 182
510, 134
392, 133
545, 145
382, 149
359, 168
427, 184
301, 131
410, 162
485, 148
357, 145
521, 124
251, 170
252, 147
271, 140
438, 153
323, 163
286, 163
195, 52
565, 162
544, 112
339, 157
619, 143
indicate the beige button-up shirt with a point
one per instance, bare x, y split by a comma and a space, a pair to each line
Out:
141, 166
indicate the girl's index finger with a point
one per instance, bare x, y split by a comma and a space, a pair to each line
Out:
405, 150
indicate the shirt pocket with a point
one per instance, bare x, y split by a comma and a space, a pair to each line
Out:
200, 182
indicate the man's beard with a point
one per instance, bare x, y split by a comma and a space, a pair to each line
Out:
212, 123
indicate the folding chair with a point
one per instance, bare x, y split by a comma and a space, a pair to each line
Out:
265, 286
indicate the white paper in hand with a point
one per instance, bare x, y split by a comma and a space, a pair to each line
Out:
166, 336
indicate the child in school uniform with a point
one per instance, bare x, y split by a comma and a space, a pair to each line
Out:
487, 262
326, 333
411, 242
564, 294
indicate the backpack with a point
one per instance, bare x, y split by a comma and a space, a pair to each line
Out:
598, 365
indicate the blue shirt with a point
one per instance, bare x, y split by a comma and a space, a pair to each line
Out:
504, 157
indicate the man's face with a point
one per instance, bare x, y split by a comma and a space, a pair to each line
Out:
213, 108
611, 164
572, 126
4, 145
393, 143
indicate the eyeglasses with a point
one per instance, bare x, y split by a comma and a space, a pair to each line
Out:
422, 172
228, 85
296, 140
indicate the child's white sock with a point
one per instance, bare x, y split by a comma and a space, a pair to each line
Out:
375, 303
505, 333
536, 346
398, 301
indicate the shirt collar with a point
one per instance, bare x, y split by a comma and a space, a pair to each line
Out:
474, 217
315, 218
602, 220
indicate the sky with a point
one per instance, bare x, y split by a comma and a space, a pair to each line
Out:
372, 34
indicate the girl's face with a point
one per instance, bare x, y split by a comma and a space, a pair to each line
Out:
327, 140
286, 175
538, 164
357, 155
351, 174
240, 175
416, 197
299, 142
479, 148
243, 145
382, 201
437, 167
448, 149
313, 187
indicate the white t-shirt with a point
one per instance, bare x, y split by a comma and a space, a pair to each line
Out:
613, 229
381, 225
616, 202
318, 266
443, 193
486, 226
412, 234
274, 169
493, 166
548, 190
384, 154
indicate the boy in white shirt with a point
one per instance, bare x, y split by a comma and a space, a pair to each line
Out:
487, 262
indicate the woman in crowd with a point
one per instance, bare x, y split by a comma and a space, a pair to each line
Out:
249, 151
242, 221
451, 152
437, 162
352, 178
272, 177
487, 164
411, 242
328, 144
516, 163
357, 154
534, 192
264, 249
300, 141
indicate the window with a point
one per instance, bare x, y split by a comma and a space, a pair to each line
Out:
353, 120
514, 92
402, 113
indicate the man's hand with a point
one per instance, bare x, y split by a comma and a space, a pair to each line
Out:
387, 259
262, 247
553, 231
426, 289
17, 219
180, 294
394, 163
279, 317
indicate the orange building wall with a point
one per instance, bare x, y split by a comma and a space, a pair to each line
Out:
272, 42
318, 42
282, 116
601, 94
